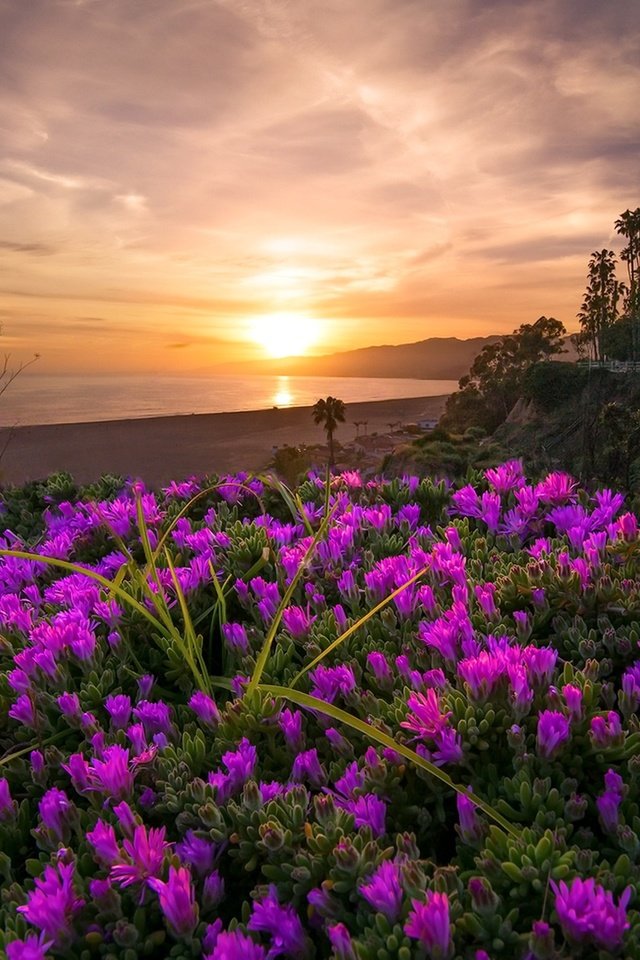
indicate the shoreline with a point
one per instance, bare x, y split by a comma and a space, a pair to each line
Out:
160, 449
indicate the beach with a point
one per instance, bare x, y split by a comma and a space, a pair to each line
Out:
160, 449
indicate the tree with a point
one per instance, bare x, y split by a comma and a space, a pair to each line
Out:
494, 383
329, 413
628, 225
599, 310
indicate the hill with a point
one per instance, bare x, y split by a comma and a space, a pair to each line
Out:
438, 358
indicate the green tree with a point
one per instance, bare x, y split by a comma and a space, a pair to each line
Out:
329, 413
599, 310
628, 225
495, 381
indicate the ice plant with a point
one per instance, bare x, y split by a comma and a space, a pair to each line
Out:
177, 901
428, 923
143, 856
553, 733
588, 914
383, 891
53, 904
281, 923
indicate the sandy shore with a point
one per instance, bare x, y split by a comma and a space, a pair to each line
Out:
159, 449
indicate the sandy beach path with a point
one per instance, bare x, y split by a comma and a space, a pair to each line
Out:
160, 449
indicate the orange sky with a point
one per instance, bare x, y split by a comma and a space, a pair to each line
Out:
172, 171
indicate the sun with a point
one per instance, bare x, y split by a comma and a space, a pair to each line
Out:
285, 334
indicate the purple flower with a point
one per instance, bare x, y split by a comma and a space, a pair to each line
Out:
428, 922
31, 948
425, 717
103, 840
383, 891
306, 766
155, 717
234, 945
119, 709
607, 731
205, 709
553, 732
213, 890
177, 901
7, 805
379, 666
290, 722
52, 905
587, 913
197, 852
328, 682
282, 923
69, 705
235, 636
297, 621
145, 856
56, 812
505, 477
556, 488
340, 940
112, 775
368, 811
469, 822
573, 699
24, 711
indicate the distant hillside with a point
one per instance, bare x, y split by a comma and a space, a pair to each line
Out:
439, 358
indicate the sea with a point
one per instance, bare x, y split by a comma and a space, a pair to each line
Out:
32, 399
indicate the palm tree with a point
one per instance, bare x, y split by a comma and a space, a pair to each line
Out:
329, 413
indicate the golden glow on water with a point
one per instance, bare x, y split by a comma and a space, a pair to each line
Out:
283, 396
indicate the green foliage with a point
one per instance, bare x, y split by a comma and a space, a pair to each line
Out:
494, 383
553, 382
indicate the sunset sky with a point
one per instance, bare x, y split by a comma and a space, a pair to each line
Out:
183, 182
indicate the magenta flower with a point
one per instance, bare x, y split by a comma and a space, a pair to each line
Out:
290, 722
7, 805
112, 775
177, 901
506, 477
234, 945
235, 636
553, 732
573, 699
197, 852
607, 731
282, 923
306, 766
53, 904
428, 922
24, 711
119, 709
425, 717
145, 854
588, 914
297, 621
368, 811
205, 709
103, 840
56, 812
556, 488
328, 682
69, 705
383, 891
469, 822
31, 948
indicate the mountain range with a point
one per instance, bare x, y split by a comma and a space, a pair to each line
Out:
438, 358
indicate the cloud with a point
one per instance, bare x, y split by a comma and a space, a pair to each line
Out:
444, 164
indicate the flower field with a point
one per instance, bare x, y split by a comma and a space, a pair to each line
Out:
375, 720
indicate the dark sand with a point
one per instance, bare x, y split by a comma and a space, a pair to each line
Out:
160, 449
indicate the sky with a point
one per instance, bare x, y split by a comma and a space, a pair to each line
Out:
185, 183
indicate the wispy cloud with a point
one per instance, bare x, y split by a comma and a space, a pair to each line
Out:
447, 167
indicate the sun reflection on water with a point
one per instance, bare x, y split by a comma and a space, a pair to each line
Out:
283, 396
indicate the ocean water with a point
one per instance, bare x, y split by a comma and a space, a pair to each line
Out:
35, 399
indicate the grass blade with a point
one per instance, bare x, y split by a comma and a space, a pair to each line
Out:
329, 710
